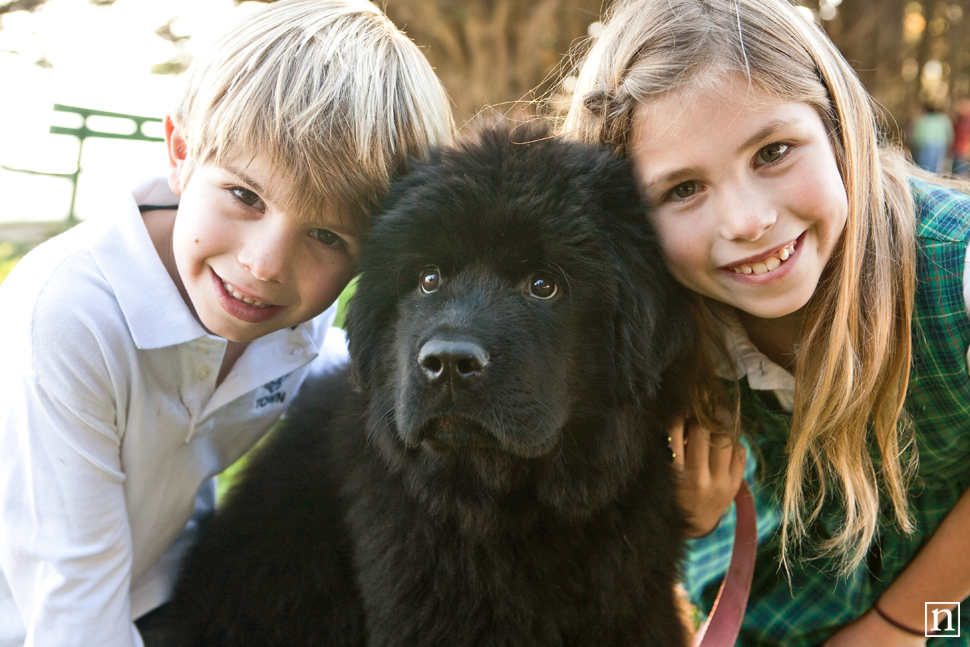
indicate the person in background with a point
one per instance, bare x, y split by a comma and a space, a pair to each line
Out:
932, 136
961, 139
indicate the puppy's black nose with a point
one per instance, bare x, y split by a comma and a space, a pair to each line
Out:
455, 361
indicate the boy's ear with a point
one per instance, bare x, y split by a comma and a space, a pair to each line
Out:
177, 151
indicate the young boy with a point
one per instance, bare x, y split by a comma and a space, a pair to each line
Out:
147, 349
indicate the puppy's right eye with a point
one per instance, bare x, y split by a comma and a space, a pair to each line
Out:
430, 279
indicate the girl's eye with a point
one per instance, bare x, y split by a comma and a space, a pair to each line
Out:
772, 153
542, 286
245, 196
430, 279
684, 190
326, 237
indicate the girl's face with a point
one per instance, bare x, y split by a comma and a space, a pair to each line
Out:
746, 193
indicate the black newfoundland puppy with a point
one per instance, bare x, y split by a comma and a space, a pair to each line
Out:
499, 476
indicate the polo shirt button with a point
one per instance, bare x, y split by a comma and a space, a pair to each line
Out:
202, 372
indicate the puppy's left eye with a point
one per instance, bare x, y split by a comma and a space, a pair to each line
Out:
542, 286
430, 279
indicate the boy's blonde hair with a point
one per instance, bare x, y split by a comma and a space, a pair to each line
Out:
330, 92
853, 359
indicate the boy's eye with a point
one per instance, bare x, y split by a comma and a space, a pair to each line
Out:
245, 196
326, 237
685, 190
772, 153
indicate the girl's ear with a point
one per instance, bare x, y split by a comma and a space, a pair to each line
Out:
177, 151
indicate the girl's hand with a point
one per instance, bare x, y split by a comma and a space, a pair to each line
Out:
710, 468
870, 629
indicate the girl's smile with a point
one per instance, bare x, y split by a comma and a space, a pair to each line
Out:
767, 264
747, 196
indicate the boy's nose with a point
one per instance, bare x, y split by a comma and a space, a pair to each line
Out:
746, 215
265, 255
264, 269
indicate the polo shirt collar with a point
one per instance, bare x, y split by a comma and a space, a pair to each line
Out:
153, 309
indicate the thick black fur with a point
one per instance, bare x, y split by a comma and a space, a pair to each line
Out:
500, 475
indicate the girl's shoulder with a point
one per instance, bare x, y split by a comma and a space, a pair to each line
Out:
942, 212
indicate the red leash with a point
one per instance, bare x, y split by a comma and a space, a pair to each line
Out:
724, 623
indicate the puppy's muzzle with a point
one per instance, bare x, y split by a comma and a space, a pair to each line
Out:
455, 363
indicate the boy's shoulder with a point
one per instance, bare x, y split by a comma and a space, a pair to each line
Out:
58, 269
103, 275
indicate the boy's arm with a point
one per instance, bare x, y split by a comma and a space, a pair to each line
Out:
939, 572
65, 544
65, 539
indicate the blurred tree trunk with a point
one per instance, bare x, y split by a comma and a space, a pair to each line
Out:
505, 53
494, 52
870, 35
890, 43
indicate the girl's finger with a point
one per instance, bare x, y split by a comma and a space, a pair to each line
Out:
697, 453
738, 462
675, 441
722, 452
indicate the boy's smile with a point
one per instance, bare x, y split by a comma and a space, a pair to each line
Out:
246, 267
748, 200
240, 305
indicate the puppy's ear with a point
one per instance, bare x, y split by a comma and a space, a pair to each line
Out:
651, 323
652, 326
369, 327
371, 312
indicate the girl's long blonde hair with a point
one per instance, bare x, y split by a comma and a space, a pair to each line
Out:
853, 360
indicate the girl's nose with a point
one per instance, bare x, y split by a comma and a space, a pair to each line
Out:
746, 214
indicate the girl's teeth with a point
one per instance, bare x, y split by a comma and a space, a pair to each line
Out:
769, 264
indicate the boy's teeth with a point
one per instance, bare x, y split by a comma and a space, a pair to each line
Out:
239, 297
769, 264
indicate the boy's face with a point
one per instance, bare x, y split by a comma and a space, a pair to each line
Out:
248, 267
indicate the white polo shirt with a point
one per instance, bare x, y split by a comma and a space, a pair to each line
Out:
110, 421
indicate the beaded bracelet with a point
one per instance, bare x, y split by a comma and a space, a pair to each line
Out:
898, 625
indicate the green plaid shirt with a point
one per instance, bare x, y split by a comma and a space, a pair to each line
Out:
816, 602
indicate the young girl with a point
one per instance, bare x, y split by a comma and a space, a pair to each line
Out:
832, 300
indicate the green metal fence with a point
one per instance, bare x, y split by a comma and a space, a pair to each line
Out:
132, 131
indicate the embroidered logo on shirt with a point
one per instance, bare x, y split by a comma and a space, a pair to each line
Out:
274, 394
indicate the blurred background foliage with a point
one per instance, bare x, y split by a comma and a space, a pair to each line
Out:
496, 52
512, 55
